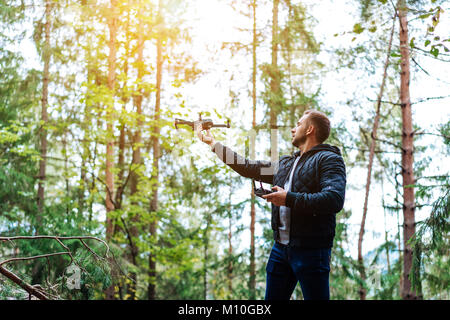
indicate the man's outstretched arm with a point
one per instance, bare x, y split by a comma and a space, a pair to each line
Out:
254, 169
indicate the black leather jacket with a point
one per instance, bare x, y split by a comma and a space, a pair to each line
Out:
317, 190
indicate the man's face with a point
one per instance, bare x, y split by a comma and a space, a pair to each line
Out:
299, 133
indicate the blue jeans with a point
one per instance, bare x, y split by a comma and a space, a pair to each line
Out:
289, 265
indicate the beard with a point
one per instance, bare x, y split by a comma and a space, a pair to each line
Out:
299, 140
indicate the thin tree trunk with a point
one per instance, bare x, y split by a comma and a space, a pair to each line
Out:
399, 240
131, 290
274, 85
82, 187
362, 289
386, 238
37, 268
109, 175
205, 255
44, 119
134, 178
93, 155
230, 256
85, 150
92, 186
121, 165
122, 135
156, 155
230, 245
252, 282
407, 154
205, 266
109, 172
293, 106
66, 171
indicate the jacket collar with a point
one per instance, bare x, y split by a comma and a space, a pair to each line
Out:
319, 147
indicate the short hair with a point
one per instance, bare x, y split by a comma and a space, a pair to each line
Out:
321, 122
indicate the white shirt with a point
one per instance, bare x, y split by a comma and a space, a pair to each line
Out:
285, 212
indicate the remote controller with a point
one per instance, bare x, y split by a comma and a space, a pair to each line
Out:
260, 191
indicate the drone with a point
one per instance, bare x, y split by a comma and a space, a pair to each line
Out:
206, 123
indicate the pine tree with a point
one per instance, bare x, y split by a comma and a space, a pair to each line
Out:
407, 154
362, 291
46, 53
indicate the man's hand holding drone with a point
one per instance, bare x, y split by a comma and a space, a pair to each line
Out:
208, 138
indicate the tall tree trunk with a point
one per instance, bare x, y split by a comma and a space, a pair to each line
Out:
121, 185
205, 254
407, 154
124, 98
66, 170
399, 233
109, 172
37, 268
230, 256
252, 282
205, 265
121, 164
85, 150
44, 118
156, 154
230, 245
134, 176
274, 84
93, 155
109, 175
386, 232
82, 187
293, 106
362, 289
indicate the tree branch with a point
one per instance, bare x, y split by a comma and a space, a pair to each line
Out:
27, 287
35, 257
33, 290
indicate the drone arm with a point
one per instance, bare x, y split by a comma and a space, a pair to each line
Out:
227, 125
181, 121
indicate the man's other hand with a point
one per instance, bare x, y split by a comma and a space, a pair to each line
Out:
278, 197
208, 138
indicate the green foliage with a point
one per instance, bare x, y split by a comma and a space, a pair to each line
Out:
430, 247
344, 275
95, 276
430, 244
357, 28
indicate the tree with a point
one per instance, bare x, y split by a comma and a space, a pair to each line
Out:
136, 155
109, 161
156, 149
44, 116
430, 244
362, 291
252, 280
409, 227
275, 79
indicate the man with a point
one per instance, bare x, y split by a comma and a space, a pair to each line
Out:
308, 191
